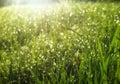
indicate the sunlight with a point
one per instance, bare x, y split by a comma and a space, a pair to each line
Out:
35, 7
35, 4
18, 2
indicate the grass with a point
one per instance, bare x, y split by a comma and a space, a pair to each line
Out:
75, 43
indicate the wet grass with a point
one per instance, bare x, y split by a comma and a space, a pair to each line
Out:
76, 43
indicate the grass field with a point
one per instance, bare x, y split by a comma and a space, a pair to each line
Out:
75, 43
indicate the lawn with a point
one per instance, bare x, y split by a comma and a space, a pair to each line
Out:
67, 43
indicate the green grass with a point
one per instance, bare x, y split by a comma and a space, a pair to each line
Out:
75, 43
